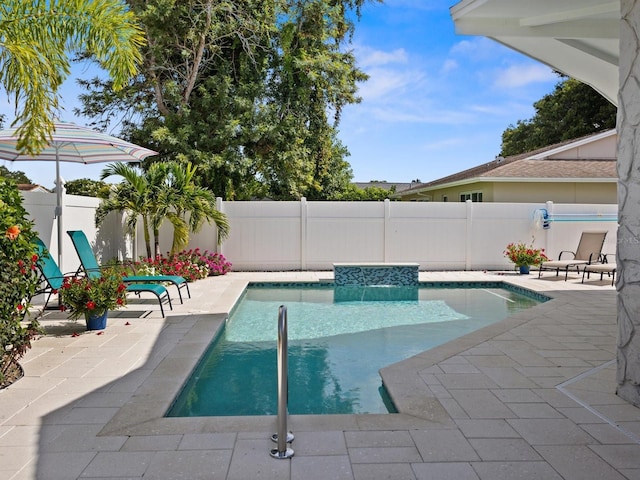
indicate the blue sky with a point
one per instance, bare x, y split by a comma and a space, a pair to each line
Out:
435, 103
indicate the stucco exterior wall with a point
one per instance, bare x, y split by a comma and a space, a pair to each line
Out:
555, 192
525, 192
453, 193
628, 258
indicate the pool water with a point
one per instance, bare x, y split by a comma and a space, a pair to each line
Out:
338, 340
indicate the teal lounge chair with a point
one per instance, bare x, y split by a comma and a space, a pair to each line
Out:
51, 277
90, 264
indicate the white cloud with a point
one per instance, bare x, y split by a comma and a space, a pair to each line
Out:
500, 109
370, 57
478, 49
449, 66
420, 113
413, 4
445, 143
385, 82
522, 75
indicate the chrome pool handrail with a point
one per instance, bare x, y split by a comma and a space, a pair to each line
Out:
282, 437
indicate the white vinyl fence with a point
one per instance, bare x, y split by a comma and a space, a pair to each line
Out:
439, 236
78, 213
304, 235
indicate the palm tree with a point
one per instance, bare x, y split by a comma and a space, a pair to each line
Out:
132, 196
165, 191
35, 38
191, 205
160, 202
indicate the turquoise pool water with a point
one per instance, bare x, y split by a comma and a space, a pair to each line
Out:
338, 340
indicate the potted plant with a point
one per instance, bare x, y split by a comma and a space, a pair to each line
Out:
92, 298
524, 256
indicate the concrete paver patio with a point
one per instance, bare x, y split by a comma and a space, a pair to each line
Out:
531, 397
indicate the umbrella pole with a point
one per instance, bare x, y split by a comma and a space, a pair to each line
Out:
59, 210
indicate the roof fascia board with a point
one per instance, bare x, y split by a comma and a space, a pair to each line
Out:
440, 186
510, 27
571, 15
464, 7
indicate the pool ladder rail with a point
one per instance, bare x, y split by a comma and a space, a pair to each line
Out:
282, 437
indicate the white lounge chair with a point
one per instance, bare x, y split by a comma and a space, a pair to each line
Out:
587, 253
607, 266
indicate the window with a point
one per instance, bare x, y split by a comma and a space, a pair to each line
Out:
473, 196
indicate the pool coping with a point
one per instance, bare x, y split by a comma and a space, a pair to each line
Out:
417, 407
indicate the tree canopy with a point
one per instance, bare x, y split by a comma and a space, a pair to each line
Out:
87, 187
18, 176
572, 110
368, 194
250, 92
35, 40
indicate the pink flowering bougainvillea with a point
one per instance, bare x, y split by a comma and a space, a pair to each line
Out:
190, 264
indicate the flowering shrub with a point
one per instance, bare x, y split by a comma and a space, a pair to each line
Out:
215, 262
87, 296
525, 255
190, 264
161, 265
18, 278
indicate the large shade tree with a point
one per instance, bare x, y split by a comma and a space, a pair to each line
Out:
36, 38
572, 110
249, 91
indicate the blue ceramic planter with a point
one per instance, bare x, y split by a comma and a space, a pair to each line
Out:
524, 270
97, 321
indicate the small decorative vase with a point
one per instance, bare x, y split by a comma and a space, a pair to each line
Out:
524, 269
96, 321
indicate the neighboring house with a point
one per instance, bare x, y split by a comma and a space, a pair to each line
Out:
29, 187
576, 171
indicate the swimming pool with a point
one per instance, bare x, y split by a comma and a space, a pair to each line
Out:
339, 337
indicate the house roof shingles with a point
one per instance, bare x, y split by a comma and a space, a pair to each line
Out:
522, 166
555, 169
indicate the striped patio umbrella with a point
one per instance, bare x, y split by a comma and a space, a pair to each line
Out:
72, 143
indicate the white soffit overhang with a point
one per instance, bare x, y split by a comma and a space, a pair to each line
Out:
579, 38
